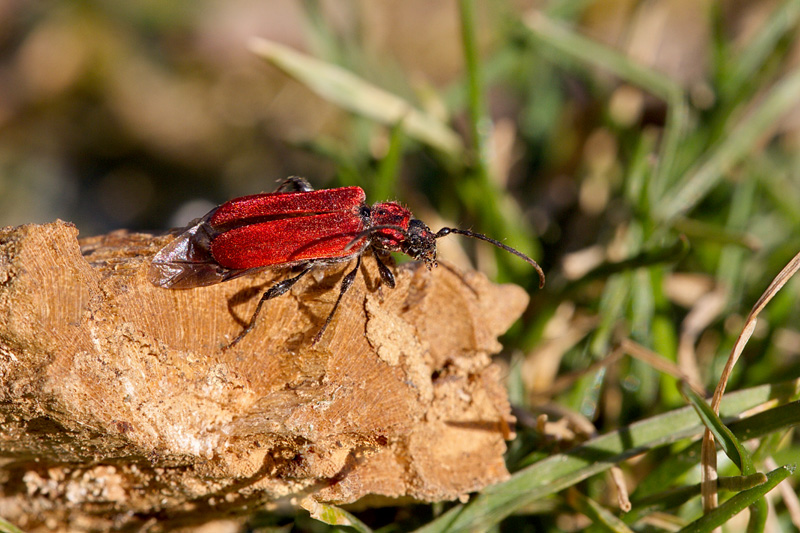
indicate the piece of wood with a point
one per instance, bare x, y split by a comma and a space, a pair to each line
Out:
119, 406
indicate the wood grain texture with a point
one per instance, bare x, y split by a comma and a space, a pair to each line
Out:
120, 407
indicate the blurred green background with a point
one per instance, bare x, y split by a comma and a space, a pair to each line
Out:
644, 152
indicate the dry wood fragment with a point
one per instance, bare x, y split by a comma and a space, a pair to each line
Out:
119, 407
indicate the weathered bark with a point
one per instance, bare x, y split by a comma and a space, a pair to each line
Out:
118, 404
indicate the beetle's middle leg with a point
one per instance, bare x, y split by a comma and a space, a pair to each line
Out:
276, 290
347, 281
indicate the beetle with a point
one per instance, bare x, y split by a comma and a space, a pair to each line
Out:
303, 229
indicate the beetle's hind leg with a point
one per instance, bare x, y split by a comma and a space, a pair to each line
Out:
276, 290
295, 183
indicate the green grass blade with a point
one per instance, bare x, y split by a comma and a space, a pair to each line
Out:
678, 463
758, 516
478, 120
700, 230
740, 483
593, 53
388, 168
334, 516
661, 501
590, 52
686, 194
726, 439
560, 471
738, 503
602, 518
664, 501
733, 259
784, 19
350, 92
649, 257
8, 527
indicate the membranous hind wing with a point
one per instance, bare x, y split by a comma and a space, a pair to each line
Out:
187, 261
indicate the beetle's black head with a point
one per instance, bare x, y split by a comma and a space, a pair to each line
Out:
420, 243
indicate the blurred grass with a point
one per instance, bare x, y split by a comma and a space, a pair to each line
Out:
643, 189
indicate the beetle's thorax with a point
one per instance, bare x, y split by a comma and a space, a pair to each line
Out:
416, 240
388, 214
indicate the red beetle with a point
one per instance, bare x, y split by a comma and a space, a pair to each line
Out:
304, 229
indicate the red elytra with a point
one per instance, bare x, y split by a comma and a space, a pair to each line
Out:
303, 229
289, 228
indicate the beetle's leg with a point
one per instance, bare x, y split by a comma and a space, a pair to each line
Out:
347, 281
295, 183
386, 275
276, 290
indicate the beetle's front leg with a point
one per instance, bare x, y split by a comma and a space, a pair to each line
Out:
386, 275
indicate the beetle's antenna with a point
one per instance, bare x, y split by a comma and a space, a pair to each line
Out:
446, 231
374, 229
